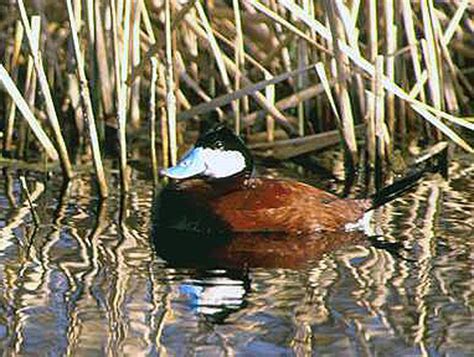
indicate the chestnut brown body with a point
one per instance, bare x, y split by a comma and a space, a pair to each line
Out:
255, 222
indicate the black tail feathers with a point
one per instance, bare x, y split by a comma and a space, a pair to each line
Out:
435, 160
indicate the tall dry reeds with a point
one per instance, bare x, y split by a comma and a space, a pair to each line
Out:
398, 68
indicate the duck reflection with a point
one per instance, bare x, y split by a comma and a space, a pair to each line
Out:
245, 250
215, 294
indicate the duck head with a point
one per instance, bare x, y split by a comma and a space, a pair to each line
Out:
217, 154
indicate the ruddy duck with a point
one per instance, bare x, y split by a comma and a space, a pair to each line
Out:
215, 196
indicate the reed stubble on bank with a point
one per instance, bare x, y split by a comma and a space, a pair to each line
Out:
253, 62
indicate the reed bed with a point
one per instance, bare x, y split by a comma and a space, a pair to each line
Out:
389, 75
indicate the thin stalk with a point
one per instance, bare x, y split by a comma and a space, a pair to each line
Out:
379, 109
30, 82
153, 85
409, 26
152, 105
431, 55
43, 82
270, 96
379, 121
135, 90
238, 59
170, 96
105, 83
87, 102
391, 42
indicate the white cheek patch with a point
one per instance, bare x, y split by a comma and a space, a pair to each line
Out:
222, 163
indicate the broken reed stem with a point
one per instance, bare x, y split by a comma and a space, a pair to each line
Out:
44, 86
23, 107
170, 96
87, 104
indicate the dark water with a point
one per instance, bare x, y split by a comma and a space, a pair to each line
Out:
88, 281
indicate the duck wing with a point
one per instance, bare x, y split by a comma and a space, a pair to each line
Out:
292, 207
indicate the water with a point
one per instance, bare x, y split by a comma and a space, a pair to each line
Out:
88, 281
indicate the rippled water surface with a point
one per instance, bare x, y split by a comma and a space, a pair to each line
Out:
88, 280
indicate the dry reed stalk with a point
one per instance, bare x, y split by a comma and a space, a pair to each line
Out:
87, 103
391, 47
270, 96
370, 132
89, 11
452, 87
342, 87
8, 139
135, 90
431, 56
152, 101
301, 80
349, 20
239, 60
412, 42
101, 57
20, 102
379, 110
120, 72
30, 81
45, 89
165, 147
327, 88
170, 96
152, 114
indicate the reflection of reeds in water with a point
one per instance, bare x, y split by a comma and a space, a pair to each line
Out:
94, 281
83, 273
